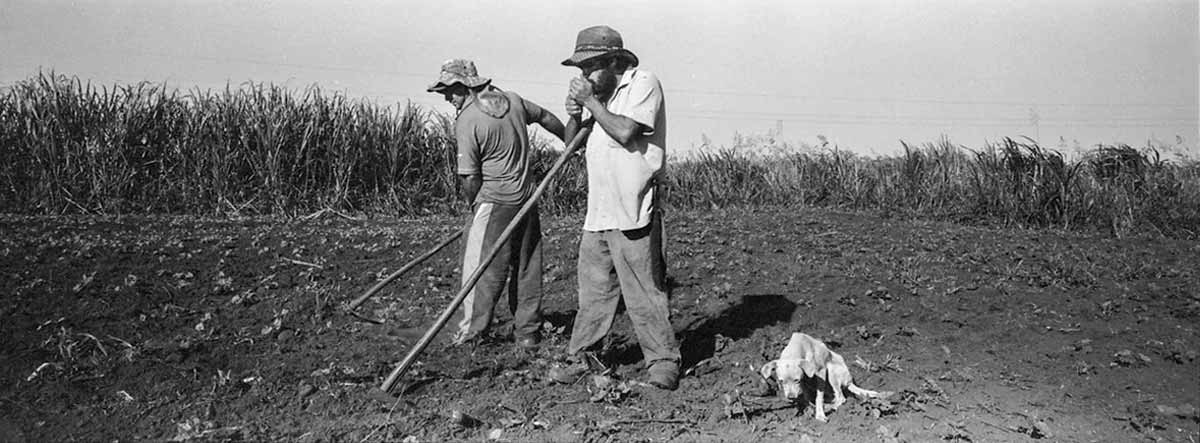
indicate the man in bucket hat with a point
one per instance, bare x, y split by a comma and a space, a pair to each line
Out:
493, 163
619, 256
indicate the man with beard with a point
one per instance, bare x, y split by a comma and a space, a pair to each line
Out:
493, 162
619, 258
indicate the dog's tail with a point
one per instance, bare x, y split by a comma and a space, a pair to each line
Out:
866, 393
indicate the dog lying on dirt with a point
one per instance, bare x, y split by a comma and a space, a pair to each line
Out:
806, 359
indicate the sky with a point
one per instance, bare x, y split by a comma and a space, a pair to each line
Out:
863, 74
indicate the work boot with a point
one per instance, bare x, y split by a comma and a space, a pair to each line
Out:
664, 374
570, 371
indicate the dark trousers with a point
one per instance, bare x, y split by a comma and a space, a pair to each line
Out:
518, 266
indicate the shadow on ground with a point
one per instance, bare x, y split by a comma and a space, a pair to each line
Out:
743, 315
697, 333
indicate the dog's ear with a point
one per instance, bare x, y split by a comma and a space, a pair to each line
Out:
768, 370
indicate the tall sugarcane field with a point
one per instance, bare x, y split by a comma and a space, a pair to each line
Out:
177, 265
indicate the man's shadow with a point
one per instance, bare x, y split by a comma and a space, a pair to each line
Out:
697, 331
743, 315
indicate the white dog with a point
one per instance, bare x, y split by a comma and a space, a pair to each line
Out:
806, 357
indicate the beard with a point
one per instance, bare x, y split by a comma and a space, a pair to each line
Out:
604, 82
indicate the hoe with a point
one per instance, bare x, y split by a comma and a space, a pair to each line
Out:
469, 284
416, 261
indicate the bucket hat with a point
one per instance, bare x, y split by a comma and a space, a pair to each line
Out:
598, 41
458, 71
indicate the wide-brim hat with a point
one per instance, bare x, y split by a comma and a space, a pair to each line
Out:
458, 71
598, 41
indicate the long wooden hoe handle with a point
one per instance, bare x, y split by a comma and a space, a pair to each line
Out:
416, 261
470, 283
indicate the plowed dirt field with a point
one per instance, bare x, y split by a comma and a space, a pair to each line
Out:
182, 328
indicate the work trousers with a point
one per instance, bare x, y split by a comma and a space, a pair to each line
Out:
615, 265
518, 266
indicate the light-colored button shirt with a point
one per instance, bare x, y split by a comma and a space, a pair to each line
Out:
621, 177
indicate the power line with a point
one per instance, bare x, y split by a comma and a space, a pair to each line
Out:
887, 100
890, 100
714, 92
802, 117
897, 116
711, 92
945, 122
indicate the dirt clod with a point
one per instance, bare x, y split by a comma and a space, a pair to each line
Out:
305, 390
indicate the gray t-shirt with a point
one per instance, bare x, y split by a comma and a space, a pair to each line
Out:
494, 143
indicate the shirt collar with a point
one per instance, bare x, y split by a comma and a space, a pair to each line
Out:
626, 78
467, 103
470, 101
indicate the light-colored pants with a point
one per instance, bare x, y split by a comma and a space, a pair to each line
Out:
517, 266
622, 264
